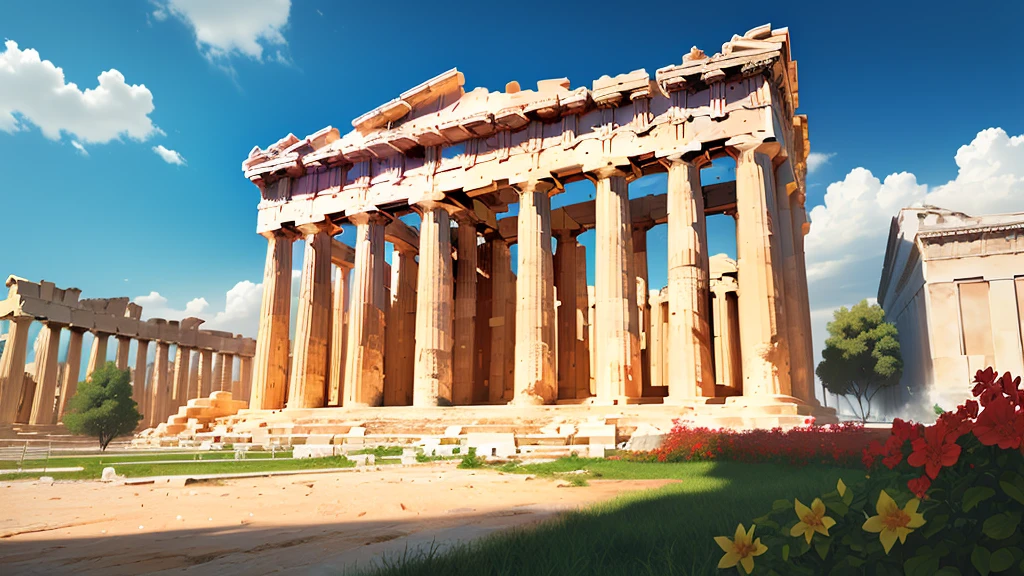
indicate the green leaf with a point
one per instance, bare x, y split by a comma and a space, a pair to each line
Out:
785, 553
1013, 485
1001, 526
921, 566
976, 495
981, 560
935, 525
821, 546
948, 571
1001, 560
780, 505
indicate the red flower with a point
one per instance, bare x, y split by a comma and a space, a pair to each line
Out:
935, 450
902, 429
919, 486
1009, 386
969, 409
987, 388
1000, 424
893, 460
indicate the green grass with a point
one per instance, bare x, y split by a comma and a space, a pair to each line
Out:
108, 459
381, 451
663, 531
93, 467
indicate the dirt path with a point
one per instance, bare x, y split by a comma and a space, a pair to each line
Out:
304, 524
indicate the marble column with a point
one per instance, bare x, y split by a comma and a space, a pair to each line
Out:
72, 367
776, 236
535, 299
12, 368
802, 348
759, 306
465, 312
339, 335
656, 344
432, 374
643, 308
727, 352
139, 377
179, 397
123, 343
160, 386
401, 332
582, 325
614, 340
502, 327
227, 378
98, 353
566, 274
690, 369
46, 379
364, 358
270, 365
307, 386
217, 378
801, 377
193, 377
245, 377
206, 373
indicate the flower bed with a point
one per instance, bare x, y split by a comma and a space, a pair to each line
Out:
942, 499
836, 444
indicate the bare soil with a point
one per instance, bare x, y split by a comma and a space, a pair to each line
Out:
300, 524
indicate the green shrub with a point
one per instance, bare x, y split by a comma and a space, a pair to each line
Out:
103, 406
471, 460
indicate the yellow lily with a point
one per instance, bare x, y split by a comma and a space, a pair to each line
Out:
891, 522
841, 488
740, 550
812, 520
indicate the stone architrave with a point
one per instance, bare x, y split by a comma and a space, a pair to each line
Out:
759, 306
535, 299
97, 353
690, 369
139, 377
123, 345
501, 323
307, 386
566, 274
465, 311
46, 380
339, 335
270, 364
432, 374
364, 359
72, 368
205, 373
160, 386
401, 331
614, 341
12, 368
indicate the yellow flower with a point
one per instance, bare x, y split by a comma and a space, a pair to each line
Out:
740, 550
812, 520
892, 522
841, 487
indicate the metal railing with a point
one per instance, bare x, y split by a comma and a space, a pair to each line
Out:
26, 452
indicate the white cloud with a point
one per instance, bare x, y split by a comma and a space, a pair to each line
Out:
154, 305
169, 156
159, 14
241, 313
232, 27
34, 91
816, 160
80, 148
296, 274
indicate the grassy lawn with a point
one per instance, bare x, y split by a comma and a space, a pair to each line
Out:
108, 459
664, 531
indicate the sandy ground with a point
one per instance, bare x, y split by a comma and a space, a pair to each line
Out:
303, 524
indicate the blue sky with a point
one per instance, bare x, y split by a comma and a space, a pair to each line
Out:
889, 88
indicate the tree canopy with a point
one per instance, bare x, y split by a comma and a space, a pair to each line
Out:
103, 406
861, 355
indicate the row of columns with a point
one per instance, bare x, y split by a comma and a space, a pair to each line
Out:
539, 351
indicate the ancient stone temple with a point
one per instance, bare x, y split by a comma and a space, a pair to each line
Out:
187, 371
450, 322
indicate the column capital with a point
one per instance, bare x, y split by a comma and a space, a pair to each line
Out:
56, 324
429, 205
561, 234
609, 172
364, 218
737, 147
529, 186
698, 159
318, 227
280, 234
464, 217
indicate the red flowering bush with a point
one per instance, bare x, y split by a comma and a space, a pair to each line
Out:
840, 444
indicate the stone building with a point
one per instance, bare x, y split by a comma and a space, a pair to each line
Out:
953, 285
449, 323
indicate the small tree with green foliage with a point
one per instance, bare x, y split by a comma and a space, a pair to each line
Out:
861, 355
103, 406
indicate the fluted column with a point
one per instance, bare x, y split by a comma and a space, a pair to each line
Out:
270, 365
727, 353
535, 299
12, 368
432, 374
401, 332
308, 377
72, 367
465, 312
46, 381
581, 325
364, 359
802, 382
98, 353
217, 378
502, 297
566, 274
193, 377
690, 370
244, 377
643, 309
160, 386
801, 345
759, 305
123, 343
656, 344
139, 378
206, 373
614, 340
182, 357
339, 335
227, 378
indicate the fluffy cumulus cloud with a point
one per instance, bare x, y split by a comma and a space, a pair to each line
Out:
846, 244
239, 316
227, 28
154, 305
816, 160
169, 156
33, 91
